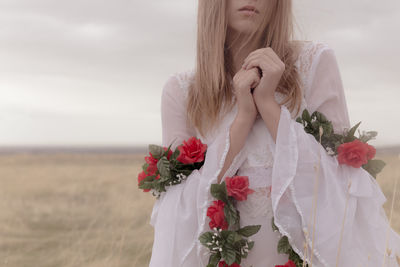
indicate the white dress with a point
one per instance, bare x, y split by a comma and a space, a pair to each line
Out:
283, 175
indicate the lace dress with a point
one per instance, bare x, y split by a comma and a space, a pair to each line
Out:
257, 209
282, 174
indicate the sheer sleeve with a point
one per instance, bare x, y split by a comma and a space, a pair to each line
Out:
344, 195
326, 93
175, 127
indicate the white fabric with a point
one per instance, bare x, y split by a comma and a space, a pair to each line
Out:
288, 165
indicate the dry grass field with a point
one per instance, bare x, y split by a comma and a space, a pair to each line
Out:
59, 210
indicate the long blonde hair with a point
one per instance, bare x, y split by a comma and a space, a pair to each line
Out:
211, 89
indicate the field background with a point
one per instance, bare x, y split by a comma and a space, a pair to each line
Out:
84, 209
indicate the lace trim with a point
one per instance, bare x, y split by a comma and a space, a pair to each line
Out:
307, 62
258, 204
184, 80
259, 157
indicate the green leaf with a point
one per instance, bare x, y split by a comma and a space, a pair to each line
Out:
230, 238
374, 166
229, 255
250, 244
214, 260
368, 136
156, 151
144, 167
231, 215
274, 228
237, 237
205, 238
306, 115
218, 191
351, 132
249, 230
283, 245
175, 155
163, 167
147, 179
146, 185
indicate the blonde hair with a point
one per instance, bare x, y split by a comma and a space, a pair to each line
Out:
210, 95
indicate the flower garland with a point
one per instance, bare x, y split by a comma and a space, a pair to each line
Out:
228, 243
166, 168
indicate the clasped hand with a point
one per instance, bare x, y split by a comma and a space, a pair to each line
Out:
264, 83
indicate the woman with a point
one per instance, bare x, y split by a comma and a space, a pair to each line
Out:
250, 83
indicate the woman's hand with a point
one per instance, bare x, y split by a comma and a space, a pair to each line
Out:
272, 69
243, 82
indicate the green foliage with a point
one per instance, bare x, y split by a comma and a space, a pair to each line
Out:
249, 230
214, 260
219, 192
374, 166
163, 167
274, 228
156, 151
283, 245
231, 215
331, 140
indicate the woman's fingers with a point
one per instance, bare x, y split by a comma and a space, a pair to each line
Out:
264, 63
273, 57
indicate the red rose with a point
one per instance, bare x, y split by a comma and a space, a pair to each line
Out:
287, 264
169, 152
223, 264
371, 151
353, 153
238, 187
151, 169
143, 175
217, 215
191, 151
152, 161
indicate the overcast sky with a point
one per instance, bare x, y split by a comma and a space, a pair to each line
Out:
90, 72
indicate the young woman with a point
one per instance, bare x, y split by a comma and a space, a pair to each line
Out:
250, 83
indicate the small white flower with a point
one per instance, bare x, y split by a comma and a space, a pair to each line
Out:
220, 249
330, 151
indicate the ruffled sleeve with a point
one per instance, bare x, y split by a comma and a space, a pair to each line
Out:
303, 171
179, 215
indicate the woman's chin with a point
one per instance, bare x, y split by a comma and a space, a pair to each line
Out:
245, 28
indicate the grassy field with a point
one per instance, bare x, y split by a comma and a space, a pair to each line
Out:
85, 209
